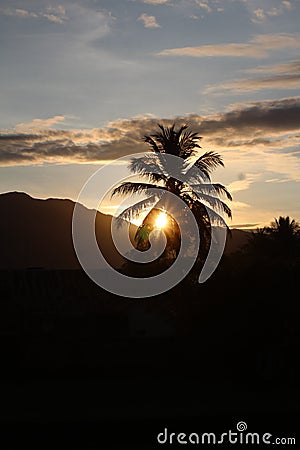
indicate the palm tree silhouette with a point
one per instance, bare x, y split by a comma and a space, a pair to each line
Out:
197, 191
280, 239
284, 233
284, 228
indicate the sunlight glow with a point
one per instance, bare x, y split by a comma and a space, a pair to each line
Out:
139, 218
161, 220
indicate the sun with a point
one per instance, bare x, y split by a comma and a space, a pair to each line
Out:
161, 220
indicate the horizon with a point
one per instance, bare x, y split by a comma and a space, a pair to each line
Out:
242, 227
83, 81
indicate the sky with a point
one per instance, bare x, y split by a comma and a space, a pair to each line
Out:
82, 81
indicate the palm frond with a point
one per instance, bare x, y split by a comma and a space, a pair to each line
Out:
132, 211
209, 161
167, 139
194, 175
130, 188
151, 141
213, 216
189, 144
149, 166
179, 142
222, 190
213, 202
216, 219
208, 188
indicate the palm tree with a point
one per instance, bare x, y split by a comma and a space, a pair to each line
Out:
196, 191
284, 228
280, 239
284, 233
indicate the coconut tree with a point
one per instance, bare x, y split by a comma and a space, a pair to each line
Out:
284, 234
192, 186
284, 228
280, 239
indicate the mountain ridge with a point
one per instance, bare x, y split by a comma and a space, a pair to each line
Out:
37, 232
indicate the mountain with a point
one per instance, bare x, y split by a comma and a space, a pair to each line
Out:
236, 240
38, 233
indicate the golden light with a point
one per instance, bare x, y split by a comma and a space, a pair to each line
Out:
139, 218
161, 220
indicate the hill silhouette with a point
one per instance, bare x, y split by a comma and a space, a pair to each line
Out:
236, 240
37, 233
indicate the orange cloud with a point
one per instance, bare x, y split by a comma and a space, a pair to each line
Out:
258, 47
39, 124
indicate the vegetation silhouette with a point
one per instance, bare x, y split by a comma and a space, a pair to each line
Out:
265, 273
232, 342
241, 325
280, 240
197, 192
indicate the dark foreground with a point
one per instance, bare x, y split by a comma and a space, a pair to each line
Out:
84, 369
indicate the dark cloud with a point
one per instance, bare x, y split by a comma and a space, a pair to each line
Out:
274, 124
274, 115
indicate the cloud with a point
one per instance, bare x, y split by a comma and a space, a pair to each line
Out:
285, 76
39, 124
267, 129
21, 13
155, 2
245, 225
83, 27
258, 47
244, 184
274, 12
257, 84
148, 21
277, 180
239, 205
287, 4
255, 119
58, 9
203, 5
289, 67
56, 14
259, 14
53, 18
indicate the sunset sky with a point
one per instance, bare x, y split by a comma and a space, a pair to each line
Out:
82, 81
